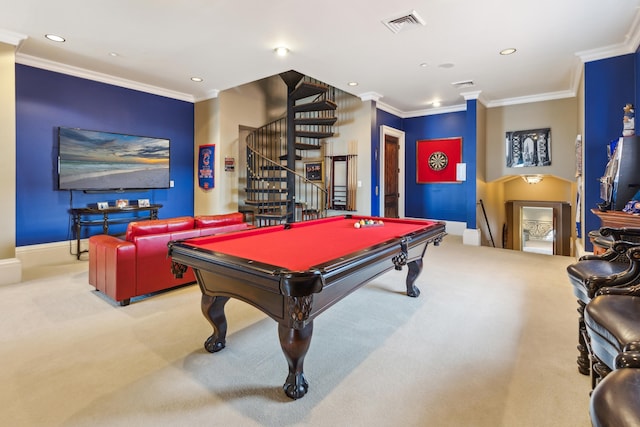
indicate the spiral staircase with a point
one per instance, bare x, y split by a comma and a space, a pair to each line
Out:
278, 189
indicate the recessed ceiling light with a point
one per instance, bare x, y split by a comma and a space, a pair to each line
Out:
197, 79
281, 51
55, 38
508, 51
114, 54
353, 83
424, 65
446, 65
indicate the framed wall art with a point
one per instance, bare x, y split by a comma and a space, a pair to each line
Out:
314, 171
527, 148
437, 159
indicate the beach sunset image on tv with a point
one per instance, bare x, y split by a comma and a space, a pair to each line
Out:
94, 160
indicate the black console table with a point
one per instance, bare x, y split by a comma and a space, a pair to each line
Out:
86, 217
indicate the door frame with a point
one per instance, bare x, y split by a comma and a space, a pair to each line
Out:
386, 130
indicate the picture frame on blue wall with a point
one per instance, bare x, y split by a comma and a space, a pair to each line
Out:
143, 203
528, 148
103, 205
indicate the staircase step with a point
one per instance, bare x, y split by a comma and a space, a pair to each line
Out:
315, 121
282, 191
310, 134
301, 146
291, 77
266, 202
270, 178
271, 217
284, 157
325, 105
307, 89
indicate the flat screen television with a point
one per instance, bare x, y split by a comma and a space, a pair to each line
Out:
101, 161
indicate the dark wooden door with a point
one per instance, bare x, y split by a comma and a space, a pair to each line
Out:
391, 170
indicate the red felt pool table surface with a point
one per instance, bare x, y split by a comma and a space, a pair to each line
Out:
300, 246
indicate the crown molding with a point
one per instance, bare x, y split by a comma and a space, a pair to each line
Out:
100, 77
370, 96
549, 96
12, 38
630, 45
210, 94
389, 109
435, 110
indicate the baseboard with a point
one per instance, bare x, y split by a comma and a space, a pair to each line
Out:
55, 253
455, 228
10, 271
471, 237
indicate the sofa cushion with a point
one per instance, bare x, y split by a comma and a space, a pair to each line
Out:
158, 226
206, 221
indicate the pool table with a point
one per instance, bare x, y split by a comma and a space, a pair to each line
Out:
294, 272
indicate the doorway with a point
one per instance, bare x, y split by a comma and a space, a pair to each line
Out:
538, 230
538, 226
391, 172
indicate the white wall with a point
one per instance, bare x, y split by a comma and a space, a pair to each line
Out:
353, 136
10, 269
217, 121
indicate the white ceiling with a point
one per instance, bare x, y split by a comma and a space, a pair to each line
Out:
161, 44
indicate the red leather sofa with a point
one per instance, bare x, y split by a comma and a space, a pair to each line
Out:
138, 265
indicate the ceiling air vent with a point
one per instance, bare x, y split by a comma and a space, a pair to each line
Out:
401, 23
462, 84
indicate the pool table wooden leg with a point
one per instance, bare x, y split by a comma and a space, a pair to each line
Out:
213, 310
415, 268
295, 343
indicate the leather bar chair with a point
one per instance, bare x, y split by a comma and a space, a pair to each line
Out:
615, 402
613, 324
593, 272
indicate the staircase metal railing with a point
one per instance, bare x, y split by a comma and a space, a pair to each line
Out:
267, 190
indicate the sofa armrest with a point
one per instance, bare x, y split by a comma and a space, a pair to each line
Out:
112, 267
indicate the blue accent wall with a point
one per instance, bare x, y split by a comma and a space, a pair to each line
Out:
46, 100
437, 201
609, 85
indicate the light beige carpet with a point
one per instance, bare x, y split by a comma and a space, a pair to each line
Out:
491, 341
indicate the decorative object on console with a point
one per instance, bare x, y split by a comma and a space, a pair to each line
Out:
526, 148
122, 203
437, 160
103, 205
143, 203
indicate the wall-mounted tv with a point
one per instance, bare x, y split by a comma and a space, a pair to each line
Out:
100, 161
